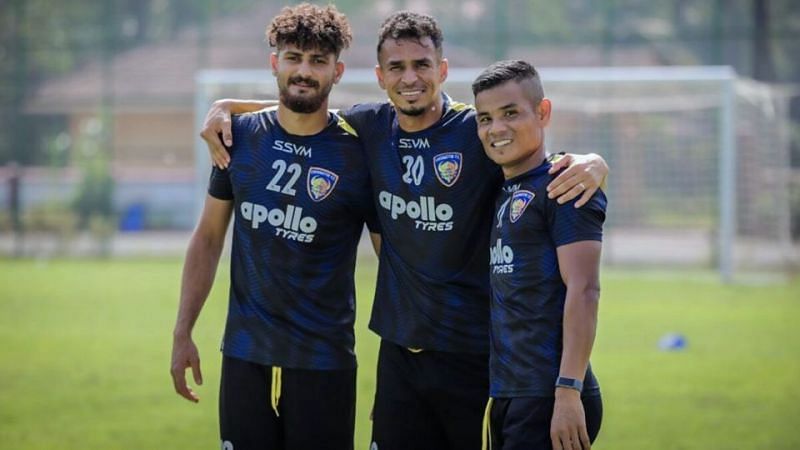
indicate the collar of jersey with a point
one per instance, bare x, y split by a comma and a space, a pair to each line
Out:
539, 170
333, 119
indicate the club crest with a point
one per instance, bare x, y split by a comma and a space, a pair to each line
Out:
320, 183
519, 201
447, 167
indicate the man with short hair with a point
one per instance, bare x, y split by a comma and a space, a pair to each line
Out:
298, 187
545, 261
433, 187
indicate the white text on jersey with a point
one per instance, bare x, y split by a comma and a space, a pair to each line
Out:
427, 215
414, 143
289, 224
501, 257
294, 149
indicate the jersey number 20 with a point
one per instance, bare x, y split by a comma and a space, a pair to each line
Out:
415, 169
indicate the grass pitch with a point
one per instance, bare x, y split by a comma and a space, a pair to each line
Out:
85, 349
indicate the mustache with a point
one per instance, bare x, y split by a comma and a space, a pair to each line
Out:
307, 81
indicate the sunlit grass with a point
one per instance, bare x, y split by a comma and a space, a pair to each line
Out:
85, 347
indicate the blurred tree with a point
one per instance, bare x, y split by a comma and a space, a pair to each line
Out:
40, 39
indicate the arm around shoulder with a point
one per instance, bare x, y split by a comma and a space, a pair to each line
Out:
218, 123
579, 174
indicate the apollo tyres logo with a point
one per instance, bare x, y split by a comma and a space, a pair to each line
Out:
424, 211
501, 258
289, 222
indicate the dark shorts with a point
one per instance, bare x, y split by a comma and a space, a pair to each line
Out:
315, 409
429, 400
524, 422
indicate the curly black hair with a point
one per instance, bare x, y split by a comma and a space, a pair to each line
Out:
504, 71
310, 27
410, 25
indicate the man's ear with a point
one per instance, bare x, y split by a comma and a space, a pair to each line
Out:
379, 74
543, 111
273, 62
339, 71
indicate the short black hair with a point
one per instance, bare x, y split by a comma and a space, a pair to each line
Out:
413, 26
505, 71
310, 27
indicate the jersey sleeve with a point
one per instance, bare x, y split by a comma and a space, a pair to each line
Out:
569, 224
368, 211
219, 184
361, 117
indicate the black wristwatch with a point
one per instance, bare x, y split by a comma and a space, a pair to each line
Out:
570, 383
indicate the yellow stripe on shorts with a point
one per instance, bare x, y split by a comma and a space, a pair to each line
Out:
486, 435
275, 394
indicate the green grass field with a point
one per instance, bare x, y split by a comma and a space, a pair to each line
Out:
85, 349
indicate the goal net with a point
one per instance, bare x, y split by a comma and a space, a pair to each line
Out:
699, 157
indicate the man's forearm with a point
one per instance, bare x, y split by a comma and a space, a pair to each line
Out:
199, 271
580, 324
241, 106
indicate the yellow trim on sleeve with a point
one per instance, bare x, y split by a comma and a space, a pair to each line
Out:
458, 106
346, 126
554, 157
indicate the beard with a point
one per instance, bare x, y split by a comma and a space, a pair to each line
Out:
413, 110
304, 104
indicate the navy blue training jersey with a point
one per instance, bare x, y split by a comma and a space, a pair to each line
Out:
528, 293
300, 203
433, 191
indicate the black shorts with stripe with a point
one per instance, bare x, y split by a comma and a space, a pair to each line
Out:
429, 399
267, 408
519, 423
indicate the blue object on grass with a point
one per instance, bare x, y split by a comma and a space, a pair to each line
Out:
672, 342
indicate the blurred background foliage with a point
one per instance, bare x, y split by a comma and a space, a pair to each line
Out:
42, 40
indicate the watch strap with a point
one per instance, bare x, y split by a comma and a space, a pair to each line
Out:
570, 383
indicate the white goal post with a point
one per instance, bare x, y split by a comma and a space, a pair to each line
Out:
699, 156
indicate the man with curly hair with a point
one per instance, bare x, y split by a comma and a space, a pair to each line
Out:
434, 188
298, 188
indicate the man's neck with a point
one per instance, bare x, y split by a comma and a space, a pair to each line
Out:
531, 162
301, 124
425, 120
